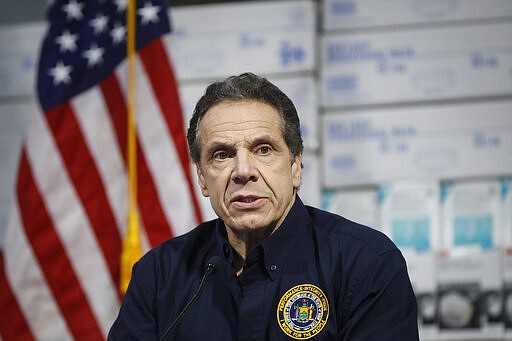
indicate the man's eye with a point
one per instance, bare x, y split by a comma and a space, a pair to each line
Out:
264, 149
220, 155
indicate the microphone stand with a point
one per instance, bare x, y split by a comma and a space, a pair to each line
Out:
210, 269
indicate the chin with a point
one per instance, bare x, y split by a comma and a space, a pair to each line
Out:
249, 225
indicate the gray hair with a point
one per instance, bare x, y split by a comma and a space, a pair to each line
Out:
246, 87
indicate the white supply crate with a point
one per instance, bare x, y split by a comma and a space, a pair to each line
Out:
349, 14
416, 65
19, 54
439, 142
261, 37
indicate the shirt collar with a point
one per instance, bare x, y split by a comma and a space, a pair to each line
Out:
276, 247
223, 246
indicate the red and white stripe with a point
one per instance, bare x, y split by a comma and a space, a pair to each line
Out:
60, 271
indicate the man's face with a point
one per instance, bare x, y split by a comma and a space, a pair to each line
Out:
245, 165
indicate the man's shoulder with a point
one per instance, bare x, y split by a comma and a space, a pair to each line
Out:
183, 245
203, 231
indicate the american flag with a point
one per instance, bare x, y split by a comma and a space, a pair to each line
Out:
59, 272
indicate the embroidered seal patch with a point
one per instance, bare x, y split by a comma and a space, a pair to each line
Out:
302, 312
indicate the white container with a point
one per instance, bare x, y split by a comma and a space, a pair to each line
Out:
469, 296
19, 55
438, 142
472, 215
359, 205
506, 205
309, 190
347, 14
416, 65
410, 214
223, 39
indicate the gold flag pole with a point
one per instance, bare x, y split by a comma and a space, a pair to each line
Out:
132, 250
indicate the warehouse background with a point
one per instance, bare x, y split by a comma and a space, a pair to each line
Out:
406, 112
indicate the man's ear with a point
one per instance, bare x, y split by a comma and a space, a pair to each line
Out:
201, 181
297, 171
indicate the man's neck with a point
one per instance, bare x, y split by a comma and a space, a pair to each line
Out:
244, 242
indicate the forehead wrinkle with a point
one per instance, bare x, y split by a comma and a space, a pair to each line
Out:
248, 131
242, 125
247, 140
245, 115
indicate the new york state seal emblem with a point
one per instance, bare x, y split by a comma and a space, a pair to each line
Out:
303, 311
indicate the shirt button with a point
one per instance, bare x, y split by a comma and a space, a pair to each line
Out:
226, 250
273, 267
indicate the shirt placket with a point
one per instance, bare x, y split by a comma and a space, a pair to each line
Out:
251, 312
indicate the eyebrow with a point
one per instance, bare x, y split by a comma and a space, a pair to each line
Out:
217, 146
263, 139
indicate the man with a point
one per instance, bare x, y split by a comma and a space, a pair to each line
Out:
286, 271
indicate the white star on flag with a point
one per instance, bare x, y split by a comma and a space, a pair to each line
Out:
121, 5
94, 55
60, 73
67, 41
99, 23
73, 10
118, 33
149, 13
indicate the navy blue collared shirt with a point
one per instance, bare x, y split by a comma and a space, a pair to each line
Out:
318, 277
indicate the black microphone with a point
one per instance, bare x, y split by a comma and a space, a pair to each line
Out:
213, 264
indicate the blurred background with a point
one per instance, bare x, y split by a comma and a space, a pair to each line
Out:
406, 113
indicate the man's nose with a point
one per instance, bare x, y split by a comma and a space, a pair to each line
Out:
245, 169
